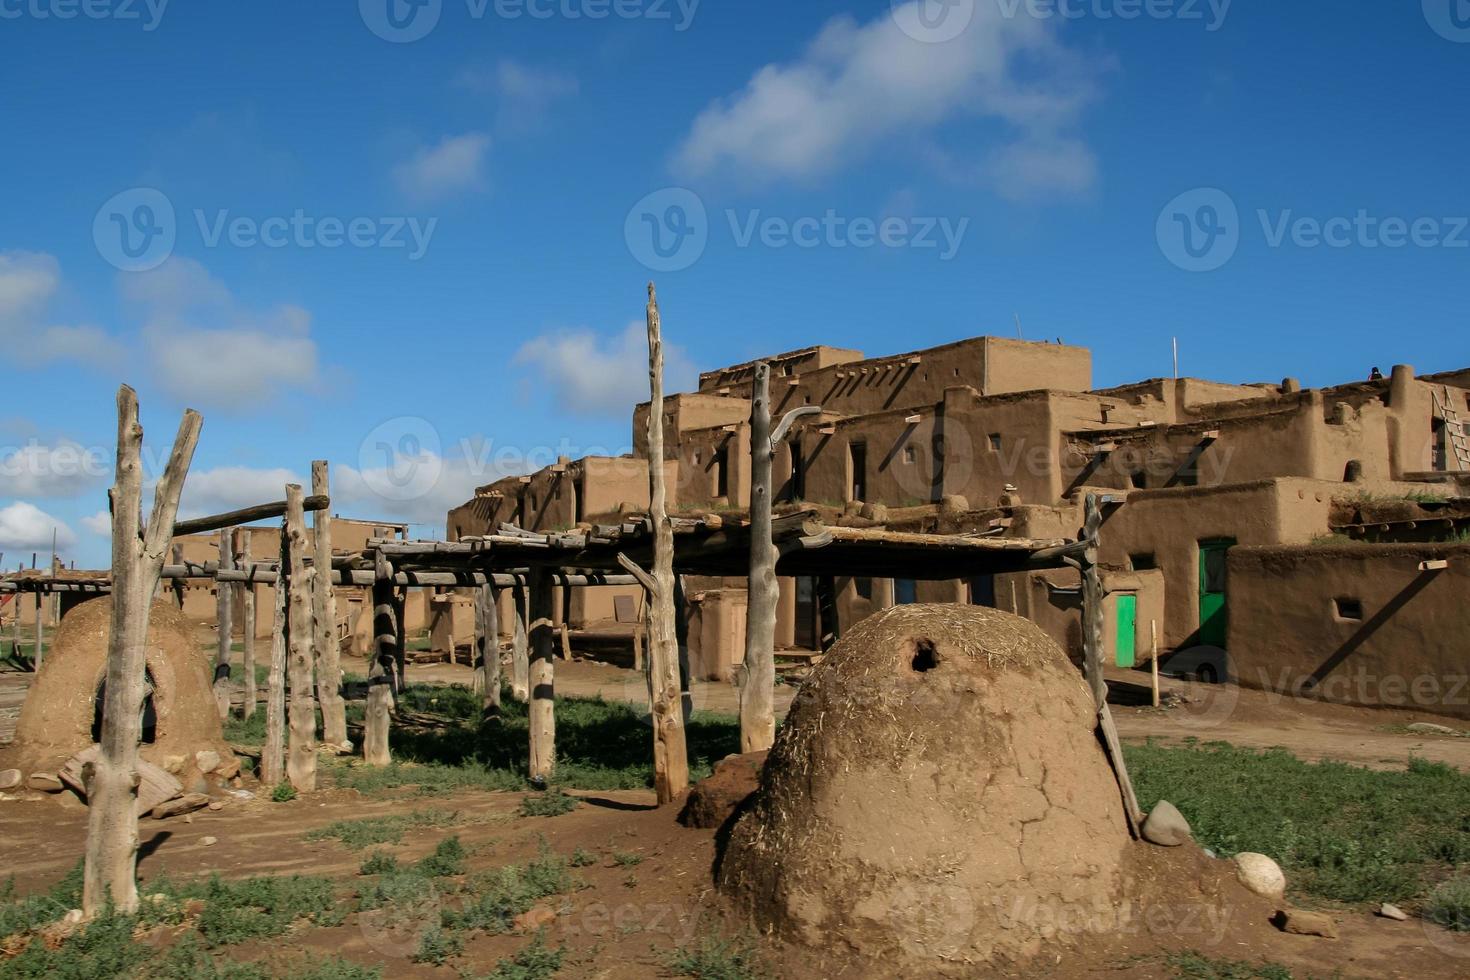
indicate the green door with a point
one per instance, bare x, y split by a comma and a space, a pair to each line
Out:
1212, 614
1127, 628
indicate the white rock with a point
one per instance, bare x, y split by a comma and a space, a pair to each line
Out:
1260, 874
207, 760
10, 778
1166, 826
1388, 911
74, 916
209, 841
1426, 728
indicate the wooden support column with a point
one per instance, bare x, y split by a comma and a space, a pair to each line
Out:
758, 673
110, 875
273, 753
38, 649
224, 616
324, 614
487, 647
301, 716
542, 678
247, 629
520, 663
385, 660
670, 755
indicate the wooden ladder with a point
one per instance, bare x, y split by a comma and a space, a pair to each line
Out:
1457, 442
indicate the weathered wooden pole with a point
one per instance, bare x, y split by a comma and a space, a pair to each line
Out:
1153, 660
670, 755
40, 631
542, 678
324, 614
385, 658
487, 647
247, 640
273, 753
301, 716
520, 662
224, 615
110, 876
758, 673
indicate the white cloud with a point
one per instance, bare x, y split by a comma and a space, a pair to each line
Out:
227, 488
596, 373
859, 86
28, 282
208, 349
453, 165
62, 469
25, 527
524, 93
99, 523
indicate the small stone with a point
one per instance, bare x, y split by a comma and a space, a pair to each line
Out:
209, 841
1166, 826
1302, 923
10, 778
1260, 874
173, 764
1388, 911
535, 918
207, 760
44, 782
228, 768
74, 917
1209, 853
158, 898
1427, 728
953, 504
216, 804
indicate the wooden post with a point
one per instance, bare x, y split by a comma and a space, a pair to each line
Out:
301, 715
247, 640
542, 679
385, 659
273, 753
758, 673
520, 665
487, 647
179, 584
110, 876
38, 649
324, 614
1153, 645
224, 617
670, 755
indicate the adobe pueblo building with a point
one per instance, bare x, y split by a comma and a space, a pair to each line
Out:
1315, 542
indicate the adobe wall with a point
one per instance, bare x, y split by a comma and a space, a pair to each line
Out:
696, 484
684, 413
608, 486
716, 634
782, 366
1288, 633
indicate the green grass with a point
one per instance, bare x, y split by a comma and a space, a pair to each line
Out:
600, 746
260, 908
18, 915
1194, 966
103, 948
715, 957
367, 831
188, 960
378, 863
550, 804
1341, 832
495, 898
437, 946
283, 793
536, 962
623, 859
1449, 904
447, 860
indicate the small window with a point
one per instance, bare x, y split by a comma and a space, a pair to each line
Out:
995, 442
864, 587
908, 454
905, 592
1142, 562
696, 457
1348, 610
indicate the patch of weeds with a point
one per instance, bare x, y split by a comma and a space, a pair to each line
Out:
631, 881
399, 889
715, 957
283, 793
379, 863
188, 960
437, 946
498, 896
1449, 904
625, 859
258, 908
1340, 832
20, 915
550, 804
582, 858
1195, 966
332, 968
446, 861
103, 948
247, 731
367, 831
536, 962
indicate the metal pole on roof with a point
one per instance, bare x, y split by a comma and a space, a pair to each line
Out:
1176, 358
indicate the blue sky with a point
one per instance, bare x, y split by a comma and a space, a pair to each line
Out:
420, 257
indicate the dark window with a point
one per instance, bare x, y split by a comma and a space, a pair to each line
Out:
995, 442
798, 471
982, 591
908, 454
864, 587
1348, 609
905, 592
1142, 562
858, 458
722, 471
1138, 478
1215, 570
